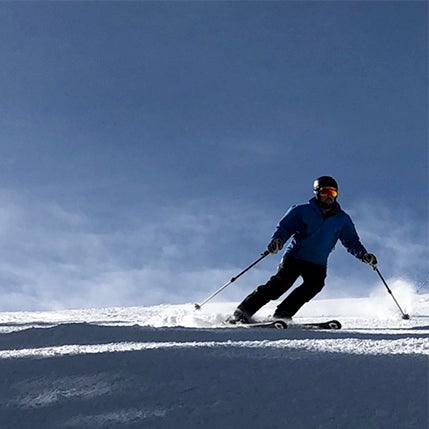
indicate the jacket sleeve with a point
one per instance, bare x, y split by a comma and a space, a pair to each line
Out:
289, 224
350, 239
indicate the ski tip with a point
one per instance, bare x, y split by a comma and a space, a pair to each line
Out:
280, 324
335, 324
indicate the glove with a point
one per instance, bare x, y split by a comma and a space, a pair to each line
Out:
275, 246
368, 258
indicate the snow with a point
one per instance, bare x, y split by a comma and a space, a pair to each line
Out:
171, 366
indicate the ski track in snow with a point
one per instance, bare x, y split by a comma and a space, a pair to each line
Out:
169, 367
378, 336
352, 346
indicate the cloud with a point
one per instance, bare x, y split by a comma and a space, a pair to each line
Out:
397, 236
55, 257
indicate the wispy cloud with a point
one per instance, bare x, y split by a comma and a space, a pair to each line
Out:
397, 236
54, 257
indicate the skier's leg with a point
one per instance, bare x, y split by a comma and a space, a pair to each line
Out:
314, 279
276, 286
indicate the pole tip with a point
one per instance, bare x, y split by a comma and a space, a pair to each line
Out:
406, 316
197, 307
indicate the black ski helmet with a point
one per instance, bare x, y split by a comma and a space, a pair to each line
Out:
324, 182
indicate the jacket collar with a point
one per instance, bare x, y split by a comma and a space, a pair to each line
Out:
332, 211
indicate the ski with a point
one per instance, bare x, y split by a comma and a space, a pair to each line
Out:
284, 324
331, 324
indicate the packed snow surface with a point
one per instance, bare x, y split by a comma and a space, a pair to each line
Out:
171, 366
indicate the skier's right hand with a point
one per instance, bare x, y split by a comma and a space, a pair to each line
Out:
275, 246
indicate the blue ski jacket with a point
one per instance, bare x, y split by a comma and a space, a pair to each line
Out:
314, 236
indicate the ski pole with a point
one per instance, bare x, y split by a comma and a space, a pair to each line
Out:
198, 306
405, 316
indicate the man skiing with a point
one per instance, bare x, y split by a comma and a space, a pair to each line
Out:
315, 228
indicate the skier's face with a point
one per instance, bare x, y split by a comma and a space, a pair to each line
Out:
328, 195
328, 200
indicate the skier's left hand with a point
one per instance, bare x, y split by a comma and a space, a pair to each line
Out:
369, 259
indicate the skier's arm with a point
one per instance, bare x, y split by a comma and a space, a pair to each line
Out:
351, 241
288, 225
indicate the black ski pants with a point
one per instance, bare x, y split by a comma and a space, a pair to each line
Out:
289, 270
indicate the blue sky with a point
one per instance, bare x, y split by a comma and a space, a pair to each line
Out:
148, 149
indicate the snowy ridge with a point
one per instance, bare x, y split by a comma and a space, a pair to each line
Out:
164, 366
355, 346
375, 311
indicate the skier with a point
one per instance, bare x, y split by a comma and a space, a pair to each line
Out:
315, 228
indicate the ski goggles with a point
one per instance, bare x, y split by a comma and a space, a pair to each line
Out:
324, 192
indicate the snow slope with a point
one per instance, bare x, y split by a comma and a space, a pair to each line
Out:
171, 366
